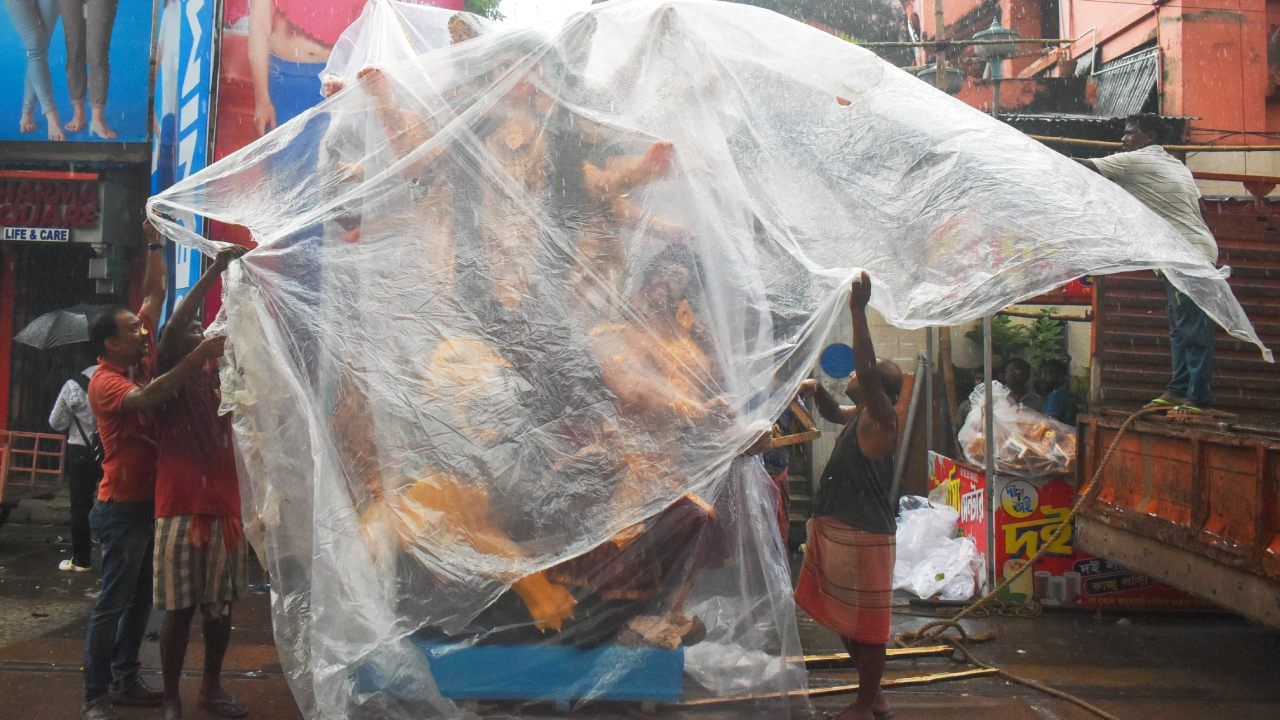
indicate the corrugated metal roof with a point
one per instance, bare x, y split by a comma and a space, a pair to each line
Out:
1133, 334
1124, 84
1056, 118
1014, 117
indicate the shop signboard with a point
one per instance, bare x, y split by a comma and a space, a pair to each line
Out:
1076, 292
97, 59
50, 207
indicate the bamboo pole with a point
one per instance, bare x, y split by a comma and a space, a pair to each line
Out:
1066, 317
833, 661
1110, 144
842, 689
939, 30
949, 383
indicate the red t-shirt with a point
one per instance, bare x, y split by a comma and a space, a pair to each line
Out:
128, 438
196, 472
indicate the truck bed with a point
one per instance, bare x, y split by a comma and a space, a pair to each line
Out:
1193, 505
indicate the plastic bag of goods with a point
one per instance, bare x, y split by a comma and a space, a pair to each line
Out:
922, 525
931, 560
1028, 443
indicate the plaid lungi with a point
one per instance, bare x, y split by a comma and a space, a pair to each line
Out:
846, 582
205, 572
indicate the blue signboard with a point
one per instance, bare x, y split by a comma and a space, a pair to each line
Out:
837, 360
184, 79
76, 71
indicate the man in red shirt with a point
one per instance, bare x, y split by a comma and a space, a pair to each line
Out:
201, 556
121, 395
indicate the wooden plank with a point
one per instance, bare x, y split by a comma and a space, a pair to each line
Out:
842, 689
841, 660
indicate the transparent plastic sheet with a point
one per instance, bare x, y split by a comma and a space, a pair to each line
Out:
1027, 443
389, 31
518, 304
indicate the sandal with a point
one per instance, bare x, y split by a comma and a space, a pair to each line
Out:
1166, 401
226, 706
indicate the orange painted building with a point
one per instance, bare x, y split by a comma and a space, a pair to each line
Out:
1214, 62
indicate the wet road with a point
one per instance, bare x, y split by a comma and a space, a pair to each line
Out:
1138, 666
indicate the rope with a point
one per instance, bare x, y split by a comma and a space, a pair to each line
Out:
932, 632
1033, 684
1026, 610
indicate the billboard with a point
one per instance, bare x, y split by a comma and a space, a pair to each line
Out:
180, 146
272, 52
79, 70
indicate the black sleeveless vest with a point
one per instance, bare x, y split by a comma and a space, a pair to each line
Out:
854, 488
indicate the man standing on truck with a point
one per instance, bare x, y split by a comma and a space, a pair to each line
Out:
846, 582
1165, 185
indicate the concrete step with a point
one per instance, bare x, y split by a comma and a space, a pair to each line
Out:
55, 511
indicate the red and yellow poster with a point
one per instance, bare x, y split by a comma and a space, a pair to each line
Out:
966, 492
1027, 514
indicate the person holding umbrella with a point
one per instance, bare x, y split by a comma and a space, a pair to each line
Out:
72, 415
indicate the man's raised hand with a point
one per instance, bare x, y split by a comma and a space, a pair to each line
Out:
226, 255
209, 349
860, 292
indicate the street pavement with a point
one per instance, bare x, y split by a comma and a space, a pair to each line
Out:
1133, 665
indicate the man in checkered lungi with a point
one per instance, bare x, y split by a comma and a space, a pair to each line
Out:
846, 582
200, 552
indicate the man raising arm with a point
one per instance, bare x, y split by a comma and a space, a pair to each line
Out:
197, 513
120, 394
846, 582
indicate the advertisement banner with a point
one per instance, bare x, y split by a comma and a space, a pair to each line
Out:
184, 76
271, 55
1027, 514
78, 70
966, 491
1076, 292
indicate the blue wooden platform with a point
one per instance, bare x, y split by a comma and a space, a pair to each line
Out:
554, 673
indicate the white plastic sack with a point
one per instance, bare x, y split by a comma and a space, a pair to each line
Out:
517, 305
958, 568
930, 560
922, 524
1027, 443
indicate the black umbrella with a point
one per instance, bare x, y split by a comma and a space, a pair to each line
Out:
59, 327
